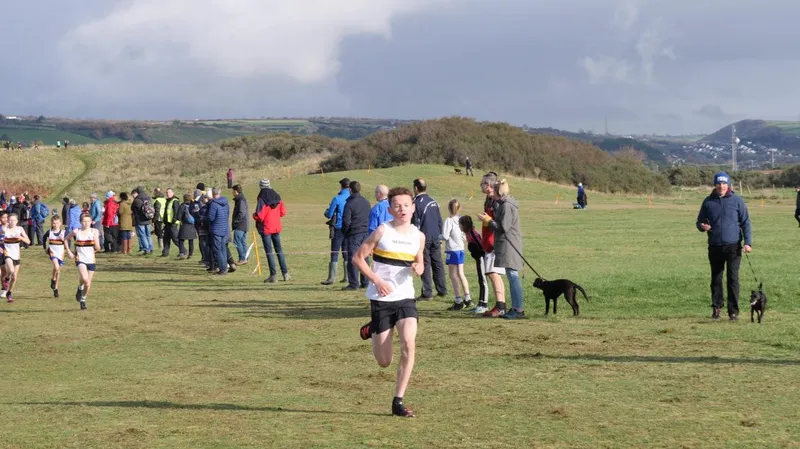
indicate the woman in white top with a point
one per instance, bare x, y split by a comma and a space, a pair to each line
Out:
55, 249
454, 256
14, 236
87, 241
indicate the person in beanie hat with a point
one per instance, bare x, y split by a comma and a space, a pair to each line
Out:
724, 217
268, 213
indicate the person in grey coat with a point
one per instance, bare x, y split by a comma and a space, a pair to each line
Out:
508, 244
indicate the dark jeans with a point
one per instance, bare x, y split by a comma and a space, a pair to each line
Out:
722, 257
168, 234
220, 244
797, 215
337, 244
182, 247
269, 241
433, 262
202, 243
111, 238
353, 243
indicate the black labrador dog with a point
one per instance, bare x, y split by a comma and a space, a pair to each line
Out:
553, 289
758, 303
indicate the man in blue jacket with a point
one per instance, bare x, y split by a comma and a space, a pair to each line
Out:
428, 219
723, 216
334, 214
380, 211
218, 213
96, 211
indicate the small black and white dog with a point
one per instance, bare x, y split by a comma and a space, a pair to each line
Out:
758, 303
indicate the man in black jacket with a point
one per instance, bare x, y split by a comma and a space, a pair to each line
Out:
141, 220
428, 219
170, 225
241, 219
355, 227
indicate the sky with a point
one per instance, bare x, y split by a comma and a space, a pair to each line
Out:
645, 66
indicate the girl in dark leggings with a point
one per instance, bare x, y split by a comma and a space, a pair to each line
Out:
476, 251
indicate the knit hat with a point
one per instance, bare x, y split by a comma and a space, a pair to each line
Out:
722, 178
264, 183
110, 194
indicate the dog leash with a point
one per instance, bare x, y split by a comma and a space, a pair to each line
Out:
747, 255
525, 260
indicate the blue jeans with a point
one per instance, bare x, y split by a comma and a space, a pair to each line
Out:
240, 241
270, 240
145, 241
517, 300
220, 244
337, 244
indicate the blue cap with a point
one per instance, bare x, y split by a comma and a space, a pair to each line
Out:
722, 178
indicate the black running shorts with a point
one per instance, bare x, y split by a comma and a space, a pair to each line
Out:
385, 314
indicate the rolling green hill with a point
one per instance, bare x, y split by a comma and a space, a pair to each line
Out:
778, 134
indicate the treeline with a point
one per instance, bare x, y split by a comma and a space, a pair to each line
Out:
693, 176
129, 131
490, 146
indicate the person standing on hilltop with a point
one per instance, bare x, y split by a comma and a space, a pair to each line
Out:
724, 217
468, 167
581, 196
269, 211
230, 178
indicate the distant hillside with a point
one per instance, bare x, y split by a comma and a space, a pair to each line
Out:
654, 151
500, 147
47, 131
776, 134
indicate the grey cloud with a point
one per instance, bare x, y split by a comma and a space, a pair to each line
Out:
713, 111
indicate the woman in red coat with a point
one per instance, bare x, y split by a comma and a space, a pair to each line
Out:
110, 223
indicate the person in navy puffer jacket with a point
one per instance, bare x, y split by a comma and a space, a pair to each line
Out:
723, 216
218, 229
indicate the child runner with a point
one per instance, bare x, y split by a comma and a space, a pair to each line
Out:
396, 247
3, 274
475, 247
55, 241
87, 241
454, 251
15, 236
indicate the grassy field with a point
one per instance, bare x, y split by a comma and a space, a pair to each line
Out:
49, 137
170, 357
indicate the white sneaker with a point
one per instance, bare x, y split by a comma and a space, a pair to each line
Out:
3, 293
480, 310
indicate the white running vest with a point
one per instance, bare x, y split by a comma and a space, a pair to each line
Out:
12, 241
55, 241
392, 259
84, 246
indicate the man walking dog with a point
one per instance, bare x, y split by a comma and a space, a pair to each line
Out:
723, 216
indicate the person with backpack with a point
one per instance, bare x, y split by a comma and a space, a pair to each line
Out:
40, 212
143, 213
186, 229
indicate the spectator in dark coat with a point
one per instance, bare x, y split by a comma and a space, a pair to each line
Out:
428, 219
141, 221
241, 219
797, 206
218, 213
268, 214
187, 230
355, 227
65, 212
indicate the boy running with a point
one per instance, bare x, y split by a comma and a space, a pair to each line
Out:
14, 237
87, 241
3, 274
55, 250
397, 250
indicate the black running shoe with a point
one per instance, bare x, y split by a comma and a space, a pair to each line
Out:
364, 332
715, 313
78, 295
83, 304
456, 306
52, 284
401, 410
55, 293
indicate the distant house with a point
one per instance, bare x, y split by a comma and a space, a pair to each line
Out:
13, 117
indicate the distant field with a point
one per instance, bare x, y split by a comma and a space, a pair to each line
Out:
255, 122
194, 134
27, 135
787, 127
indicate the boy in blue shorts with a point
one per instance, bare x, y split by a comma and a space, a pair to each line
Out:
55, 248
